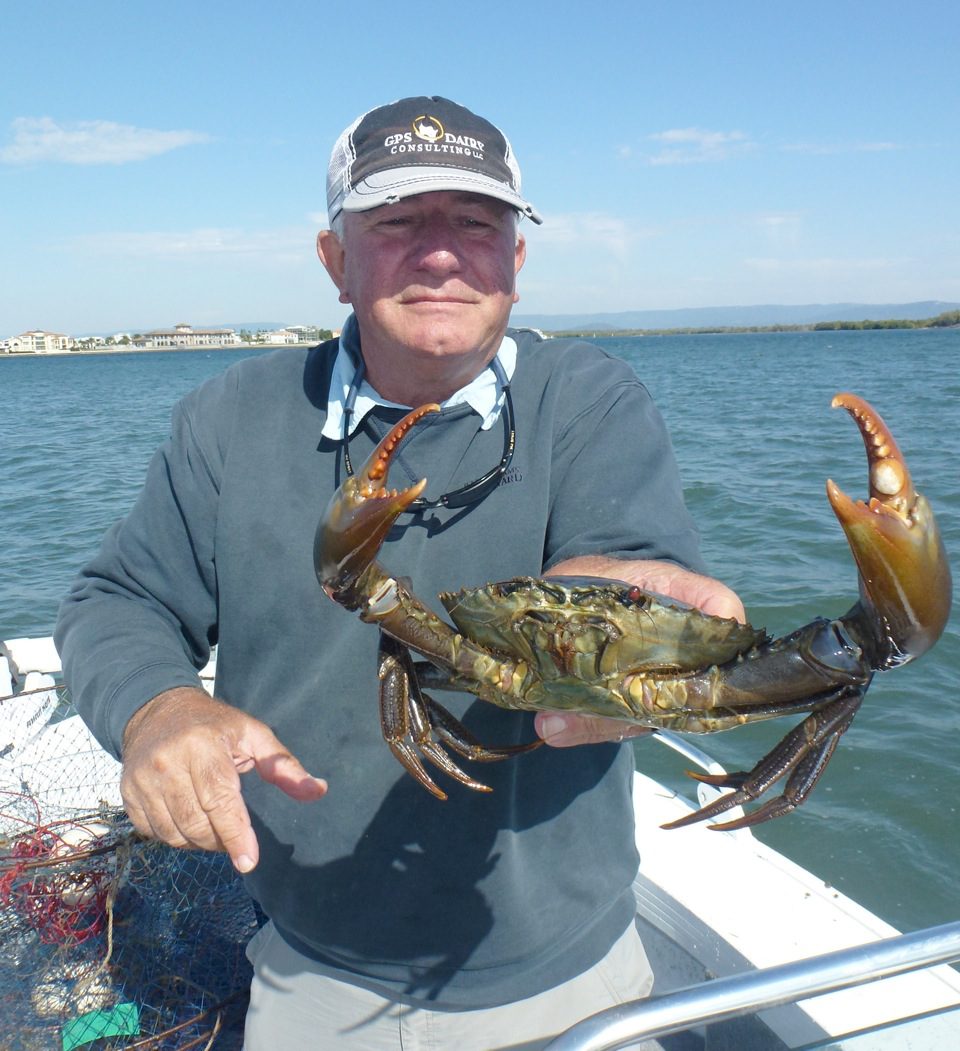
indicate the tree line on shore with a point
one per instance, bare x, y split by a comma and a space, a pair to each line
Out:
949, 319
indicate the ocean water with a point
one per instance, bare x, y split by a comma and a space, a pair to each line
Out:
755, 438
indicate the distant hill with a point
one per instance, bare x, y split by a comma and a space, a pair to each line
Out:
733, 317
250, 326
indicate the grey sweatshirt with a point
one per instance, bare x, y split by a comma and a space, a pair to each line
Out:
479, 900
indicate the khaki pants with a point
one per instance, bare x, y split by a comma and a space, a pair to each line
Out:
294, 1008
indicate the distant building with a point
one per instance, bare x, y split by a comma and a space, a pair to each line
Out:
281, 336
308, 333
36, 343
186, 336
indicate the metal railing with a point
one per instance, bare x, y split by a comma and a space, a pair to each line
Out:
723, 998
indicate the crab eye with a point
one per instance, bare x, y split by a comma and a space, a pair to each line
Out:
635, 594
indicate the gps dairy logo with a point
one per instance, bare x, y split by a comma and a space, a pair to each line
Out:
427, 128
433, 138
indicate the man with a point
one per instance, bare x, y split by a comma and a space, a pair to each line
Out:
396, 919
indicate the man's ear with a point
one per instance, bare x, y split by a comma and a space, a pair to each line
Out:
333, 256
520, 257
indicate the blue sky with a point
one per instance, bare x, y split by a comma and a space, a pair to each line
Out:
166, 162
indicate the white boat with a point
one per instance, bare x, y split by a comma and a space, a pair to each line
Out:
750, 950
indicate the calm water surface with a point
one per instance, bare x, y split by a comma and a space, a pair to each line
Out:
756, 439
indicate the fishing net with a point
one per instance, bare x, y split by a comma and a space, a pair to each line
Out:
107, 940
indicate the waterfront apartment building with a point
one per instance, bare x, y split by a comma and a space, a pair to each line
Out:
281, 337
37, 342
186, 336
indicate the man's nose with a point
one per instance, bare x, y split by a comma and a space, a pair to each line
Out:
438, 247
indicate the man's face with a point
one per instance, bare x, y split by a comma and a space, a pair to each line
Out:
432, 275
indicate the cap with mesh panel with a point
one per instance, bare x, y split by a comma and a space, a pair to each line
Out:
420, 145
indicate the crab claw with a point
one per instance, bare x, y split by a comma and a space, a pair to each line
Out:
361, 512
905, 585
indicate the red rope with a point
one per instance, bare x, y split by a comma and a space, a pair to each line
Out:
49, 888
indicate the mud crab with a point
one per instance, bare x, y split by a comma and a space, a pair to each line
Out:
615, 650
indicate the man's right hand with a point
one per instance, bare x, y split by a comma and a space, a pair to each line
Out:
183, 754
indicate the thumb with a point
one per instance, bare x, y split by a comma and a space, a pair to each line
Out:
278, 766
563, 730
721, 601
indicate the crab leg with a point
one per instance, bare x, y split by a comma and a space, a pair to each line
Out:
410, 718
803, 754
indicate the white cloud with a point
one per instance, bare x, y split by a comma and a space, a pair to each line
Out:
829, 148
698, 146
44, 140
777, 221
610, 233
284, 245
780, 228
823, 267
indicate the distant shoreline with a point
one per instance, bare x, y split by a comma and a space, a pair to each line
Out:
721, 330
133, 352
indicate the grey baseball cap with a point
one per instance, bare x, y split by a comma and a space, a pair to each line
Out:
418, 145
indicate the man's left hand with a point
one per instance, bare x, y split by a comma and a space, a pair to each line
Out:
564, 729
